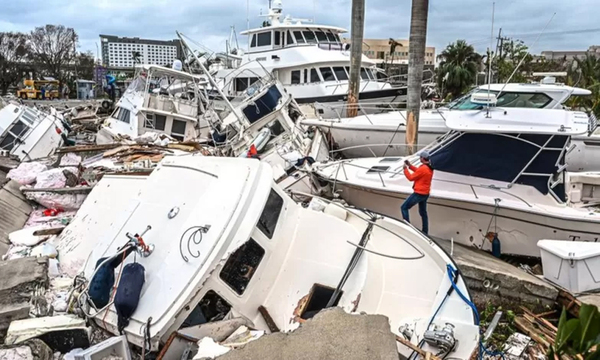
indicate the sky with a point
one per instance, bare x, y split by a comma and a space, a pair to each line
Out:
573, 27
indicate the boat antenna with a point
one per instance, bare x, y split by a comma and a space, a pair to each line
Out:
247, 14
490, 60
527, 53
314, 11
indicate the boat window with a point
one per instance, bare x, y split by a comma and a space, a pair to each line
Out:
29, 116
276, 128
321, 36
178, 129
268, 219
314, 76
327, 74
253, 43
277, 38
340, 73
264, 39
363, 74
370, 74
290, 38
310, 37
241, 83
305, 76
331, 37
8, 142
159, 122
299, 37
210, 308
296, 77
337, 37
19, 128
241, 266
523, 100
377, 169
318, 297
123, 115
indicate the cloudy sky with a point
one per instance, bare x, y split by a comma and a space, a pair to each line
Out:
574, 27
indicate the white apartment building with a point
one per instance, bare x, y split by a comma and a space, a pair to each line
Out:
118, 52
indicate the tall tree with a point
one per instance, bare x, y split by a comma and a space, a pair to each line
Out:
416, 62
585, 73
513, 52
13, 53
85, 65
54, 47
358, 27
459, 64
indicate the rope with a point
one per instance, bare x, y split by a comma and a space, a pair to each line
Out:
112, 296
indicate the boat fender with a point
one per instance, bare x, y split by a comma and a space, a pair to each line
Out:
101, 284
128, 294
336, 211
496, 248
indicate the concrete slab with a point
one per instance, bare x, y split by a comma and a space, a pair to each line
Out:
15, 210
493, 280
592, 299
20, 278
12, 312
331, 334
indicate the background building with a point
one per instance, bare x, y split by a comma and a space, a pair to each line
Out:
118, 52
570, 55
396, 63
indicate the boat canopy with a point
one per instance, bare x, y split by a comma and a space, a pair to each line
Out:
528, 159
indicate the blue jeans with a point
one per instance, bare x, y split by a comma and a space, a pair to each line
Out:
413, 200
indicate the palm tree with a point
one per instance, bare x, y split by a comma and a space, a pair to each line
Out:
416, 62
585, 73
458, 67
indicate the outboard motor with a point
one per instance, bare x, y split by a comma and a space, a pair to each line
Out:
128, 293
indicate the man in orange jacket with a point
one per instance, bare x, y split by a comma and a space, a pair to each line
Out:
422, 185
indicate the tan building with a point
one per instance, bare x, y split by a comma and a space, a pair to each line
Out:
570, 55
379, 50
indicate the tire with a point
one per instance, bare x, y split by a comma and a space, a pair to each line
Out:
106, 104
24, 96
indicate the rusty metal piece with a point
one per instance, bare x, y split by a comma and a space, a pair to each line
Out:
268, 319
356, 302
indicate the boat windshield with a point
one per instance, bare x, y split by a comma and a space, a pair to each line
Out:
464, 102
534, 100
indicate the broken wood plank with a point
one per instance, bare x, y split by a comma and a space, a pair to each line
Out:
72, 190
115, 151
528, 329
569, 302
413, 347
83, 148
540, 319
268, 319
50, 231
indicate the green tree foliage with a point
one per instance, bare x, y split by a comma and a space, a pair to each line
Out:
579, 336
507, 60
14, 51
459, 64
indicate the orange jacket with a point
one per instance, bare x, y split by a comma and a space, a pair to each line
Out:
421, 176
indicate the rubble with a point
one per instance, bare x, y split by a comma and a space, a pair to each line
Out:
61, 333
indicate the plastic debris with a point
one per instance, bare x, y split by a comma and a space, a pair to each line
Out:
17, 252
25, 236
54, 200
27, 172
317, 204
70, 159
53, 178
44, 249
208, 348
53, 269
112, 348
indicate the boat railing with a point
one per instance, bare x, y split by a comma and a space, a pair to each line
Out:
369, 218
365, 109
341, 165
592, 123
371, 146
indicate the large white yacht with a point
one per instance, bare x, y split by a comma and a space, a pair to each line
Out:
384, 134
500, 172
310, 60
219, 242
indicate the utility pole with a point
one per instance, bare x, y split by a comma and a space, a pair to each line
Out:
416, 60
358, 27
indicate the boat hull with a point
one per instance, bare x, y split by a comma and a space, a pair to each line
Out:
467, 223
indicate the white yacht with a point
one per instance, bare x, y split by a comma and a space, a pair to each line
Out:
218, 241
371, 135
28, 133
500, 172
310, 60
162, 100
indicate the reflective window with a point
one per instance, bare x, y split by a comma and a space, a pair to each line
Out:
241, 266
123, 115
305, 76
310, 37
296, 77
363, 74
268, 219
264, 39
331, 37
340, 73
314, 76
507, 99
321, 36
290, 39
327, 74
178, 129
253, 42
299, 37
277, 38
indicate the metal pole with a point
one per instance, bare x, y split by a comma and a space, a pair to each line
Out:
209, 77
358, 25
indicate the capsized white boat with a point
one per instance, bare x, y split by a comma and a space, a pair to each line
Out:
384, 134
29, 133
224, 240
502, 172
161, 100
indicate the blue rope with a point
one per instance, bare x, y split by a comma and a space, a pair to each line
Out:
482, 348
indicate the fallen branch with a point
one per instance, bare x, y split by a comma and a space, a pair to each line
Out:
71, 190
413, 347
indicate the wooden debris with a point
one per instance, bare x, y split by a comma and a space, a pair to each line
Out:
268, 319
51, 231
84, 148
569, 302
71, 190
530, 330
423, 353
